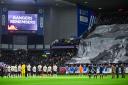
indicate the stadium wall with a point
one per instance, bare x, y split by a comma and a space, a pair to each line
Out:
59, 22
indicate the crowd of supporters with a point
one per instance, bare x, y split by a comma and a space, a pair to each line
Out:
65, 42
35, 57
108, 18
112, 18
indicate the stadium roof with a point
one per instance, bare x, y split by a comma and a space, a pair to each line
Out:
94, 4
102, 4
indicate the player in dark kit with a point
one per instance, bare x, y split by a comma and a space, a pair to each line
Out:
2, 71
95, 70
122, 70
117, 71
89, 70
25, 71
101, 71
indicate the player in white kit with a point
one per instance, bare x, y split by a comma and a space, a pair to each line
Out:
15, 70
34, 70
55, 69
19, 70
8, 70
49, 71
12, 71
44, 69
28, 70
39, 67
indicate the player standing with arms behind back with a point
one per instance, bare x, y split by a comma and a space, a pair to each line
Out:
23, 70
34, 71
44, 69
49, 71
28, 70
122, 70
19, 70
113, 71
8, 70
95, 70
55, 69
101, 71
39, 67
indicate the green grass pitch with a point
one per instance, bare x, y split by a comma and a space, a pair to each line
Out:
64, 80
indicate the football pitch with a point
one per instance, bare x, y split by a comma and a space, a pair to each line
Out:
64, 80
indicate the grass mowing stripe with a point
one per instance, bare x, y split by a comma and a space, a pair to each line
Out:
63, 80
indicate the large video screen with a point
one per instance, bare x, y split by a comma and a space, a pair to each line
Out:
20, 21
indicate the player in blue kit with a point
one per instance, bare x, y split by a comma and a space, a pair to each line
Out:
101, 68
72, 69
85, 69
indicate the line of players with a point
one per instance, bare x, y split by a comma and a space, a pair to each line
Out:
90, 69
95, 70
28, 70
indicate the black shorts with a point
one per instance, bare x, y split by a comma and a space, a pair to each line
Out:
95, 73
8, 72
12, 73
16, 72
39, 72
28, 71
49, 72
89, 72
101, 72
54, 72
44, 72
19, 72
33, 72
